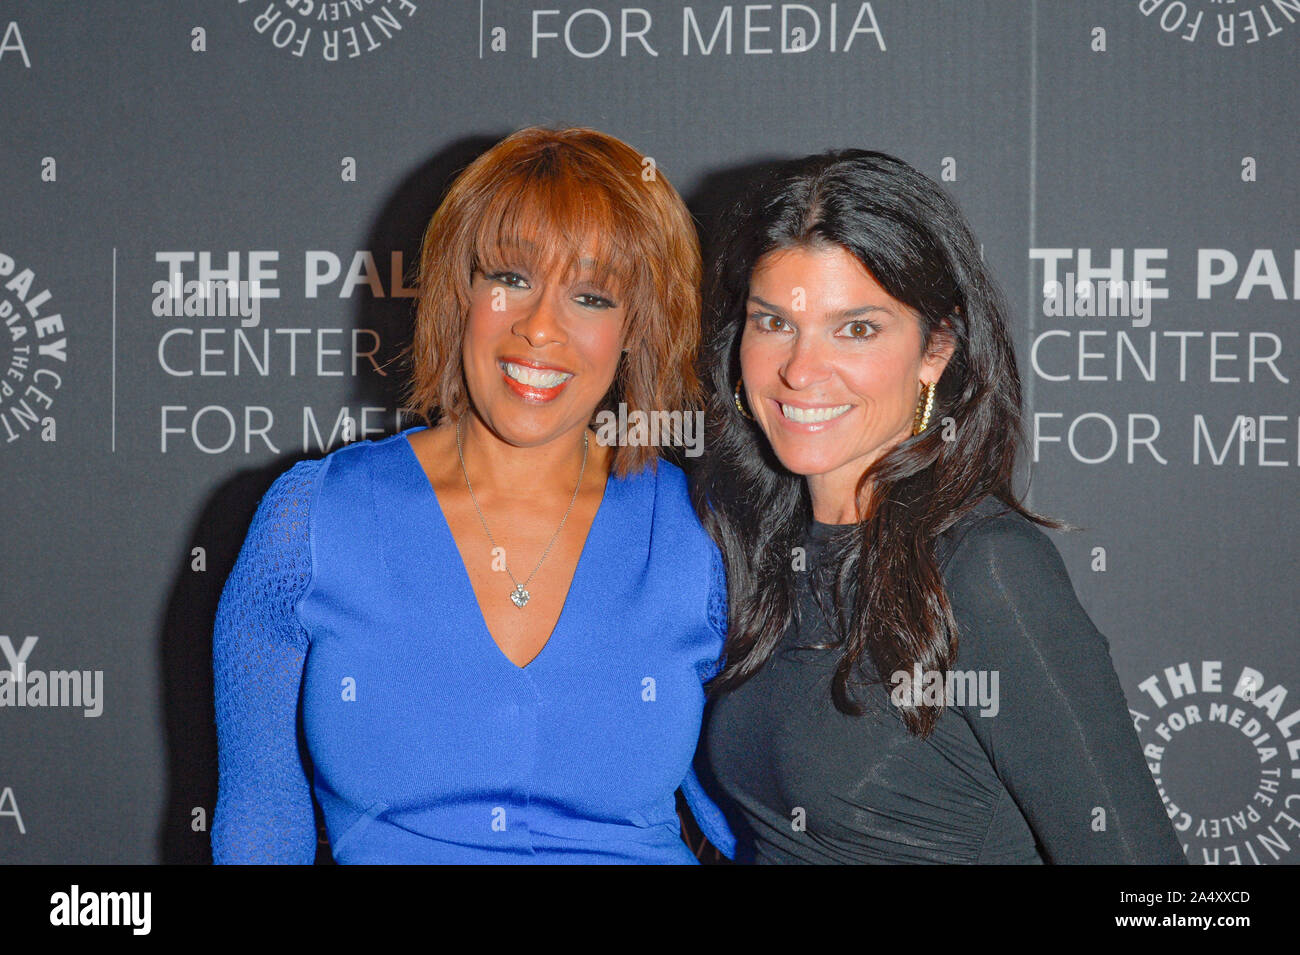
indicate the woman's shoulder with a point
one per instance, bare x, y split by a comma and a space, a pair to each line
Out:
284, 506
352, 467
336, 481
664, 493
991, 525
683, 551
295, 483
994, 543
358, 451
661, 482
666, 484
1009, 587
669, 476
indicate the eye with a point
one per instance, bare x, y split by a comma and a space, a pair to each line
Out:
593, 300
769, 323
511, 279
860, 329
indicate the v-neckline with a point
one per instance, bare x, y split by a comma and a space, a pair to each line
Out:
468, 582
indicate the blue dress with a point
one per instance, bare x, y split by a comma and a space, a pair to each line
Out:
350, 607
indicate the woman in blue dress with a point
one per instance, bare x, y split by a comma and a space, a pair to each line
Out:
485, 640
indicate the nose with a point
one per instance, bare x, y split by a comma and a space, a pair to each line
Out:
807, 364
542, 323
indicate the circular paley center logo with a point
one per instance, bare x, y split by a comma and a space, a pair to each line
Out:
1224, 750
1222, 23
333, 30
34, 354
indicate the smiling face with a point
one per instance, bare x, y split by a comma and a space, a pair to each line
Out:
540, 349
832, 368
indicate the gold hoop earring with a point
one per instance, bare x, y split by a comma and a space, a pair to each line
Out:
739, 406
923, 409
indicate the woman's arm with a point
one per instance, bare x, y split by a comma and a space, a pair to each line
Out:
1061, 739
264, 805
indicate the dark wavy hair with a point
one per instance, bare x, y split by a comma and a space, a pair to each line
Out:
888, 591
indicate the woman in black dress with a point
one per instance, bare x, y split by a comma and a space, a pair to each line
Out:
909, 676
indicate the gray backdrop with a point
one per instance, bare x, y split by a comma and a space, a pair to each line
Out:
1079, 133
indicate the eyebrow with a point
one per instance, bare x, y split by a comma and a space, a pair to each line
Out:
842, 313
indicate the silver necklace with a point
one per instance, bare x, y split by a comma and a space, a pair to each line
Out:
519, 596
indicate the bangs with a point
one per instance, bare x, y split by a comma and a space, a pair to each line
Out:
542, 220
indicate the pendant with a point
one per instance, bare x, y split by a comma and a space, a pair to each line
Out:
519, 596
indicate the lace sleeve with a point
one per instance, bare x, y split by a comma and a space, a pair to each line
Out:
1059, 736
711, 820
717, 609
264, 807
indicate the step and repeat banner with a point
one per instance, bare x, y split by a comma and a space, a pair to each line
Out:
302, 145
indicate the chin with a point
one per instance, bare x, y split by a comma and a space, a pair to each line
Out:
808, 464
523, 435
529, 426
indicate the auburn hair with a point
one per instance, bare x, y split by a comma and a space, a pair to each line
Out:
544, 198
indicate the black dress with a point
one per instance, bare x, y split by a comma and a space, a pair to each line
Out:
1051, 772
